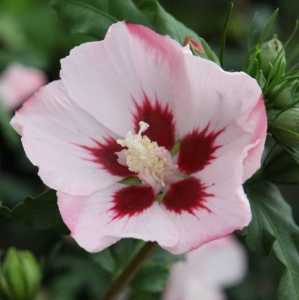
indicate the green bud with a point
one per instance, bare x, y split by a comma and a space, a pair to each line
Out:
287, 97
272, 55
21, 275
285, 127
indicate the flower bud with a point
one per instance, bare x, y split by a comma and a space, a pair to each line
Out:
272, 55
287, 97
200, 48
286, 127
195, 46
20, 275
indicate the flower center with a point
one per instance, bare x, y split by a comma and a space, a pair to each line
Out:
152, 163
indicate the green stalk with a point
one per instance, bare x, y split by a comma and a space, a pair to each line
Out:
130, 270
223, 42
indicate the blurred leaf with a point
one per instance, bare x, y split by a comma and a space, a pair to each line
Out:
154, 273
40, 212
282, 168
105, 260
272, 216
78, 273
93, 18
123, 251
5, 212
152, 278
140, 295
13, 190
7, 131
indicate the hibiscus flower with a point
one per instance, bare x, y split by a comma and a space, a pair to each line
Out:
207, 271
143, 140
17, 83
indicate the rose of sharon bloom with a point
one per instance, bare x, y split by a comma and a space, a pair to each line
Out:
137, 105
17, 83
207, 271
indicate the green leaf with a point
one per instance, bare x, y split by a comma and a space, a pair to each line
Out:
40, 212
123, 252
7, 131
151, 278
13, 190
5, 212
77, 273
273, 221
141, 295
105, 260
93, 18
283, 168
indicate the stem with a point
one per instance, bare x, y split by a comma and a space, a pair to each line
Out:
130, 270
223, 43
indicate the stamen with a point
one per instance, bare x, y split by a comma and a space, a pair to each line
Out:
151, 162
143, 126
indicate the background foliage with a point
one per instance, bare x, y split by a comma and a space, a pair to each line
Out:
39, 33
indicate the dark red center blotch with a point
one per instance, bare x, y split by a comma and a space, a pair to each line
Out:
132, 200
105, 155
187, 195
197, 150
160, 119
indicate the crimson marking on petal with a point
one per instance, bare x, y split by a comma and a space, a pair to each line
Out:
160, 119
132, 200
197, 150
187, 195
104, 154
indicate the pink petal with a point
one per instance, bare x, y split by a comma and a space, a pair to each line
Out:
224, 101
56, 135
105, 154
226, 208
179, 288
107, 78
18, 82
94, 224
220, 263
207, 271
252, 161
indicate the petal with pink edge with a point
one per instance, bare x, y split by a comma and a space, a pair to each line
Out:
66, 143
111, 79
221, 207
110, 214
226, 102
252, 161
